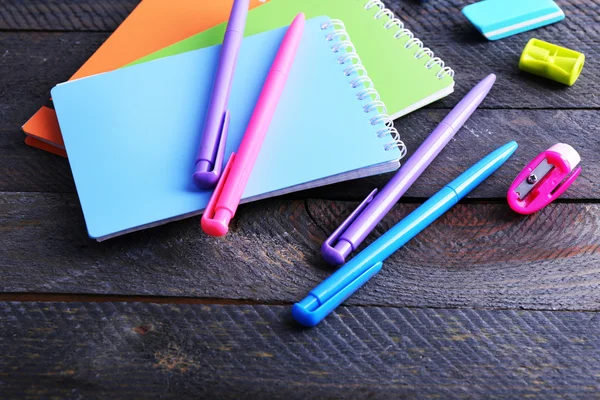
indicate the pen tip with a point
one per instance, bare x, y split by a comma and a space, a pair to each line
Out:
490, 79
300, 17
513, 144
508, 149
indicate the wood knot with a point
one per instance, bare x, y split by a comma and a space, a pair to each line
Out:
143, 329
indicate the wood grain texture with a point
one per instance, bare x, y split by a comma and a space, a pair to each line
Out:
479, 256
34, 62
31, 64
443, 28
147, 351
106, 16
474, 256
64, 15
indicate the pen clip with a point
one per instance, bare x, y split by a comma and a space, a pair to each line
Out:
328, 250
208, 179
310, 311
210, 224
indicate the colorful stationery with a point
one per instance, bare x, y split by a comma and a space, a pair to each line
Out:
345, 281
209, 161
152, 25
551, 61
370, 212
407, 75
497, 19
226, 197
544, 179
132, 134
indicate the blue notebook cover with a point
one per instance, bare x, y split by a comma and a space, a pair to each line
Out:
132, 134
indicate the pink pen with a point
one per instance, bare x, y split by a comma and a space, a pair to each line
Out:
228, 193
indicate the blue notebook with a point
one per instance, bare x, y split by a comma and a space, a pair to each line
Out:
132, 134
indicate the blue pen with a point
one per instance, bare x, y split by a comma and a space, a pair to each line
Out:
323, 299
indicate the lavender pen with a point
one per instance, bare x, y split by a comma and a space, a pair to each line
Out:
209, 161
372, 210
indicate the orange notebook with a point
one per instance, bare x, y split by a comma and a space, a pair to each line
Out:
152, 25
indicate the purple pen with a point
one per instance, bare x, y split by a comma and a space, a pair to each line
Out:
209, 161
372, 210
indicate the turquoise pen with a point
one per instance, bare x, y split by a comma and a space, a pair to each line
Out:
323, 299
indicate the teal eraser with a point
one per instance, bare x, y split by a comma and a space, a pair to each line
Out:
497, 19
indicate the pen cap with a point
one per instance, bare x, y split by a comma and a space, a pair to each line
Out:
482, 170
286, 55
551, 61
467, 106
238, 16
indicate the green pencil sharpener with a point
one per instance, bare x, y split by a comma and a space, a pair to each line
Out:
551, 61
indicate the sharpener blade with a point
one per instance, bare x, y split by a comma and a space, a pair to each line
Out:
536, 176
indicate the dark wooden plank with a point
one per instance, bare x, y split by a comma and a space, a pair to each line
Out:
486, 130
26, 169
30, 170
103, 15
439, 24
474, 256
444, 29
32, 63
147, 351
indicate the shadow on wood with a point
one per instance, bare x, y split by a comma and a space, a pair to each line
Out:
167, 351
474, 256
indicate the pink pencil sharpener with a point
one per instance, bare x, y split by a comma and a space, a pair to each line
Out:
544, 179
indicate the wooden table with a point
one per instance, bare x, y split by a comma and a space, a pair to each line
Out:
484, 303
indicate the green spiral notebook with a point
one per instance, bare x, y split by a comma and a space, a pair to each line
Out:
407, 78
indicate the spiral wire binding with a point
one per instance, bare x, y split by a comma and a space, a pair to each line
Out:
359, 79
412, 40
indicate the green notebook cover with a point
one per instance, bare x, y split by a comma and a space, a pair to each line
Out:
406, 75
